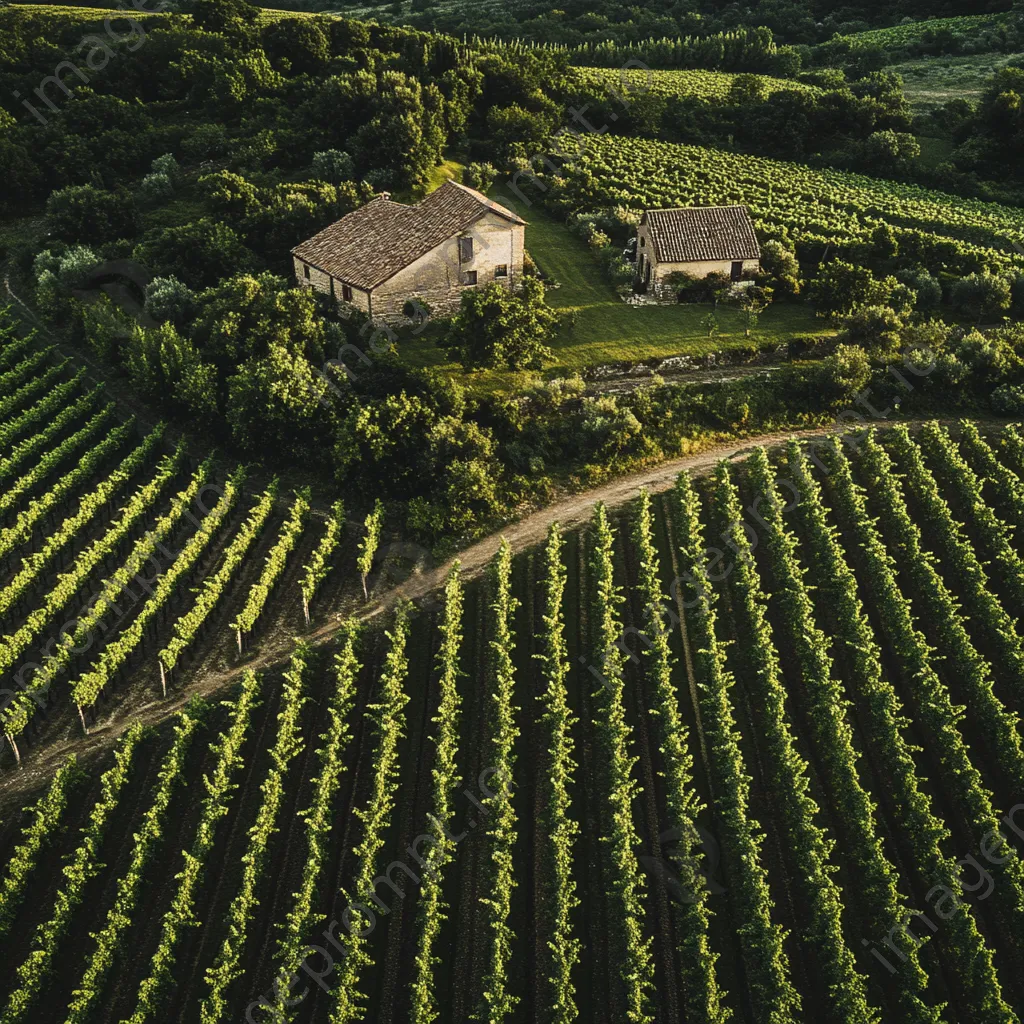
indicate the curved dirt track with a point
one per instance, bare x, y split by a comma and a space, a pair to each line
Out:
569, 511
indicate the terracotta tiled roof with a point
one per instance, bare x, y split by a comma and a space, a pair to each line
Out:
374, 242
703, 233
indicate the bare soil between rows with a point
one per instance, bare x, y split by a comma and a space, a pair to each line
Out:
276, 645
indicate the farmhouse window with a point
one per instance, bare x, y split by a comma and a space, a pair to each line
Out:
643, 242
469, 277
465, 250
737, 270
305, 271
501, 270
346, 293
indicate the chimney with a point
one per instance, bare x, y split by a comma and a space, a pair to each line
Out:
384, 195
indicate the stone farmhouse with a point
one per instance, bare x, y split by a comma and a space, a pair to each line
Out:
698, 241
384, 254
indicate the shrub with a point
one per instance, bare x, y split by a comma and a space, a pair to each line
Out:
333, 166
167, 298
982, 296
1008, 400
842, 375
480, 176
166, 164
781, 267
927, 288
84, 213
156, 188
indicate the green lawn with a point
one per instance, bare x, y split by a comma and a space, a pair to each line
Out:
607, 329
932, 81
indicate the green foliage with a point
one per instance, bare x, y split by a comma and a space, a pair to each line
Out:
562, 951
199, 253
85, 213
333, 166
106, 944
424, 1006
82, 866
47, 822
495, 327
156, 987
1008, 400
633, 955
480, 176
499, 1000
387, 720
288, 744
877, 328
984, 297
370, 542
274, 566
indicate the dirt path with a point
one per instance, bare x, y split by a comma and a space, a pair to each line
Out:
569, 511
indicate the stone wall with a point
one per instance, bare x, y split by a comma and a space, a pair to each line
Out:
323, 283
665, 292
437, 278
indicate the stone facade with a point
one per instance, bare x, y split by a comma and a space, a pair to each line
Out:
385, 254
439, 278
653, 269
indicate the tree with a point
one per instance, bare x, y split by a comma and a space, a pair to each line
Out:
495, 327
887, 152
333, 165
199, 253
840, 376
884, 243
710, 324
480, 176
781, 266
155, 189
982, 296
841, 287
84, 213
167, 298
167, 164
303, 42
236, 19
875, 327
926, 287
747, 90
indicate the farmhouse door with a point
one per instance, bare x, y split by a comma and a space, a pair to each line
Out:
737, 271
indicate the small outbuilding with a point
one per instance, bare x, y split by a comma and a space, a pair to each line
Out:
696, 240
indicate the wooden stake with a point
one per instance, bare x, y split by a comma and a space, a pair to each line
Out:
14, 747
81, 715
163, 677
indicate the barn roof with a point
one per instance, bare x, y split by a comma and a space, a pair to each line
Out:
376, 241
699, 233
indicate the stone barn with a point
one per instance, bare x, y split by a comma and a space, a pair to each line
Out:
385, 253
698, 241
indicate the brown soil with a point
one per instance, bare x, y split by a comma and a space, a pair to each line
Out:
276, 643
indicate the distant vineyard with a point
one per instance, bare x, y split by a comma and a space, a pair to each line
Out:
728, 754
700, 84
899, 37
119, 557
813, 209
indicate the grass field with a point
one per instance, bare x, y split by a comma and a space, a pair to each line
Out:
932, 81
608, 330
